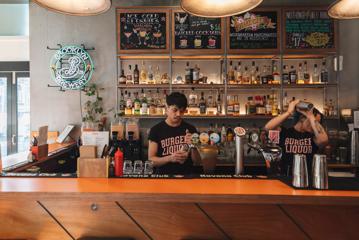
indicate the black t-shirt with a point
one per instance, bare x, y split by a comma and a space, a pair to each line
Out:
294, 142
169, 140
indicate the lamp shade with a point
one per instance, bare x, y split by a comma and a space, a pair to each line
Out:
76, 7
218, 8
344, 9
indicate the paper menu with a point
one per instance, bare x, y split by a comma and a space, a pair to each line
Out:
96, 138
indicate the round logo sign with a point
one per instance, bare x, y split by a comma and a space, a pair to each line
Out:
71, 67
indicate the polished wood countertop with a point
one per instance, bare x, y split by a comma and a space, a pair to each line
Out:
179, 190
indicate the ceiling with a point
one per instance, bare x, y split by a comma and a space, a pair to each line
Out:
175, 2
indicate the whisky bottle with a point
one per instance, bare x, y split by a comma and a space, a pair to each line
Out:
188, 74
231, 77
122, 77
239, 73
300, 79
136, 105
293, 75
324, 75
196, 74
275, 74
128, 110
202, 104
253, 73
144, 104
264, 76
157, 75
246, 79
230, 105
136, 75
129, 78
143, 74
236, 106
315, 76
150, 79
152, 104
219, 104
306, 73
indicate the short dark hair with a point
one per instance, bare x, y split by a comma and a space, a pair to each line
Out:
297, 116
178, 99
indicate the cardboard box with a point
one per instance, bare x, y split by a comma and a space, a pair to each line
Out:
88, 151
92, 167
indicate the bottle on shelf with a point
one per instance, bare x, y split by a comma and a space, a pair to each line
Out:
246, 79
188, 74
275, 73
211, 104
129, 104
268, 105
122, 105
326, 108
300, 79
264, 76
152, 104
122, 77
196, 71
143, 73
258, 76
231, 75
223, 134
293, 75
324, 75
286, 79
192, 98
219, 104
202, 104
230, 134
236, 106
129, 78
136, 75
275, 109
150, 76
144, 103
136, 105
306, 73
239, 73
253, 73
230, 105
157, 75
165, 79
315, 76
285, 102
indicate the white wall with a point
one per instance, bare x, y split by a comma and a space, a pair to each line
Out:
14, 48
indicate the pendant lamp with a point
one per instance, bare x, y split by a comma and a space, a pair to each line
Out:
218, 8
76, 7
344, 9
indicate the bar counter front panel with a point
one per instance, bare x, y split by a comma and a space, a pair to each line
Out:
80, 208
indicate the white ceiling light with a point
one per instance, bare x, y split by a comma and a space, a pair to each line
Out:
76, 7
218, 8
344, 9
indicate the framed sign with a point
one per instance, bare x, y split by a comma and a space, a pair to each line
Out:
142, 31
309, 29
254, 31
193, 34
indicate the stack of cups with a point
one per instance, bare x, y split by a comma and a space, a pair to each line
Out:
300, 171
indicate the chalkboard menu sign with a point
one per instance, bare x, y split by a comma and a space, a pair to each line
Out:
254, 31
196, 33
144, 31
309, 29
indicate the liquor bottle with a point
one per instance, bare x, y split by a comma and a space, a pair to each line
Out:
264, 76
306, 73
151, 104
275, 110
275, 74
122, 106
129, 104
236, 106
188, 74
230, 134
230, 105
136, 75
300, 79
144, 103
326, 108
196, 74
239, 73
219, 104
231, 77
202, 104
122, 77
150, 79
211, 104
286, 79
253, 73
192, 98
157, 75
324, 75
143, 74
268, 105
285, 102
210, 100
136, 105
315, 76
246, 79
293, 75
223, 134
210, 129
129, 78
331, 108
258, 77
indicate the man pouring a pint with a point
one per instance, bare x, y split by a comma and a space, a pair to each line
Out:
170, 139
306, 135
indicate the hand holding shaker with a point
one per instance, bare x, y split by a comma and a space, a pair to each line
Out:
300, 171
320, 172
304, 106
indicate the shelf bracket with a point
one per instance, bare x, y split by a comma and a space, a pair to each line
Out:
60, 46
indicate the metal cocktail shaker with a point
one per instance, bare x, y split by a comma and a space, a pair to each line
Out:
304, 106
300, 171
240, 133
320, 172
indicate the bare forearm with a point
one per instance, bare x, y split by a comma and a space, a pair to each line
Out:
321, 137
277, 121
159, 161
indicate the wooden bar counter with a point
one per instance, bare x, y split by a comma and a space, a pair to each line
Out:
71, 208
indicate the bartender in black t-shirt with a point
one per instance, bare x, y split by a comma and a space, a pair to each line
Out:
167, 138
306, 136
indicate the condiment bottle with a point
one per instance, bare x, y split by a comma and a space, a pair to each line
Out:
118, 163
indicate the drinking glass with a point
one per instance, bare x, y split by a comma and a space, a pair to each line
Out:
148, 167
127, 167
137, 169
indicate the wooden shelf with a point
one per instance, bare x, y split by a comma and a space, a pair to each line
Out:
319, 85
202, 57
144, 86
253, 56
197, 86
253, 86
144, 57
